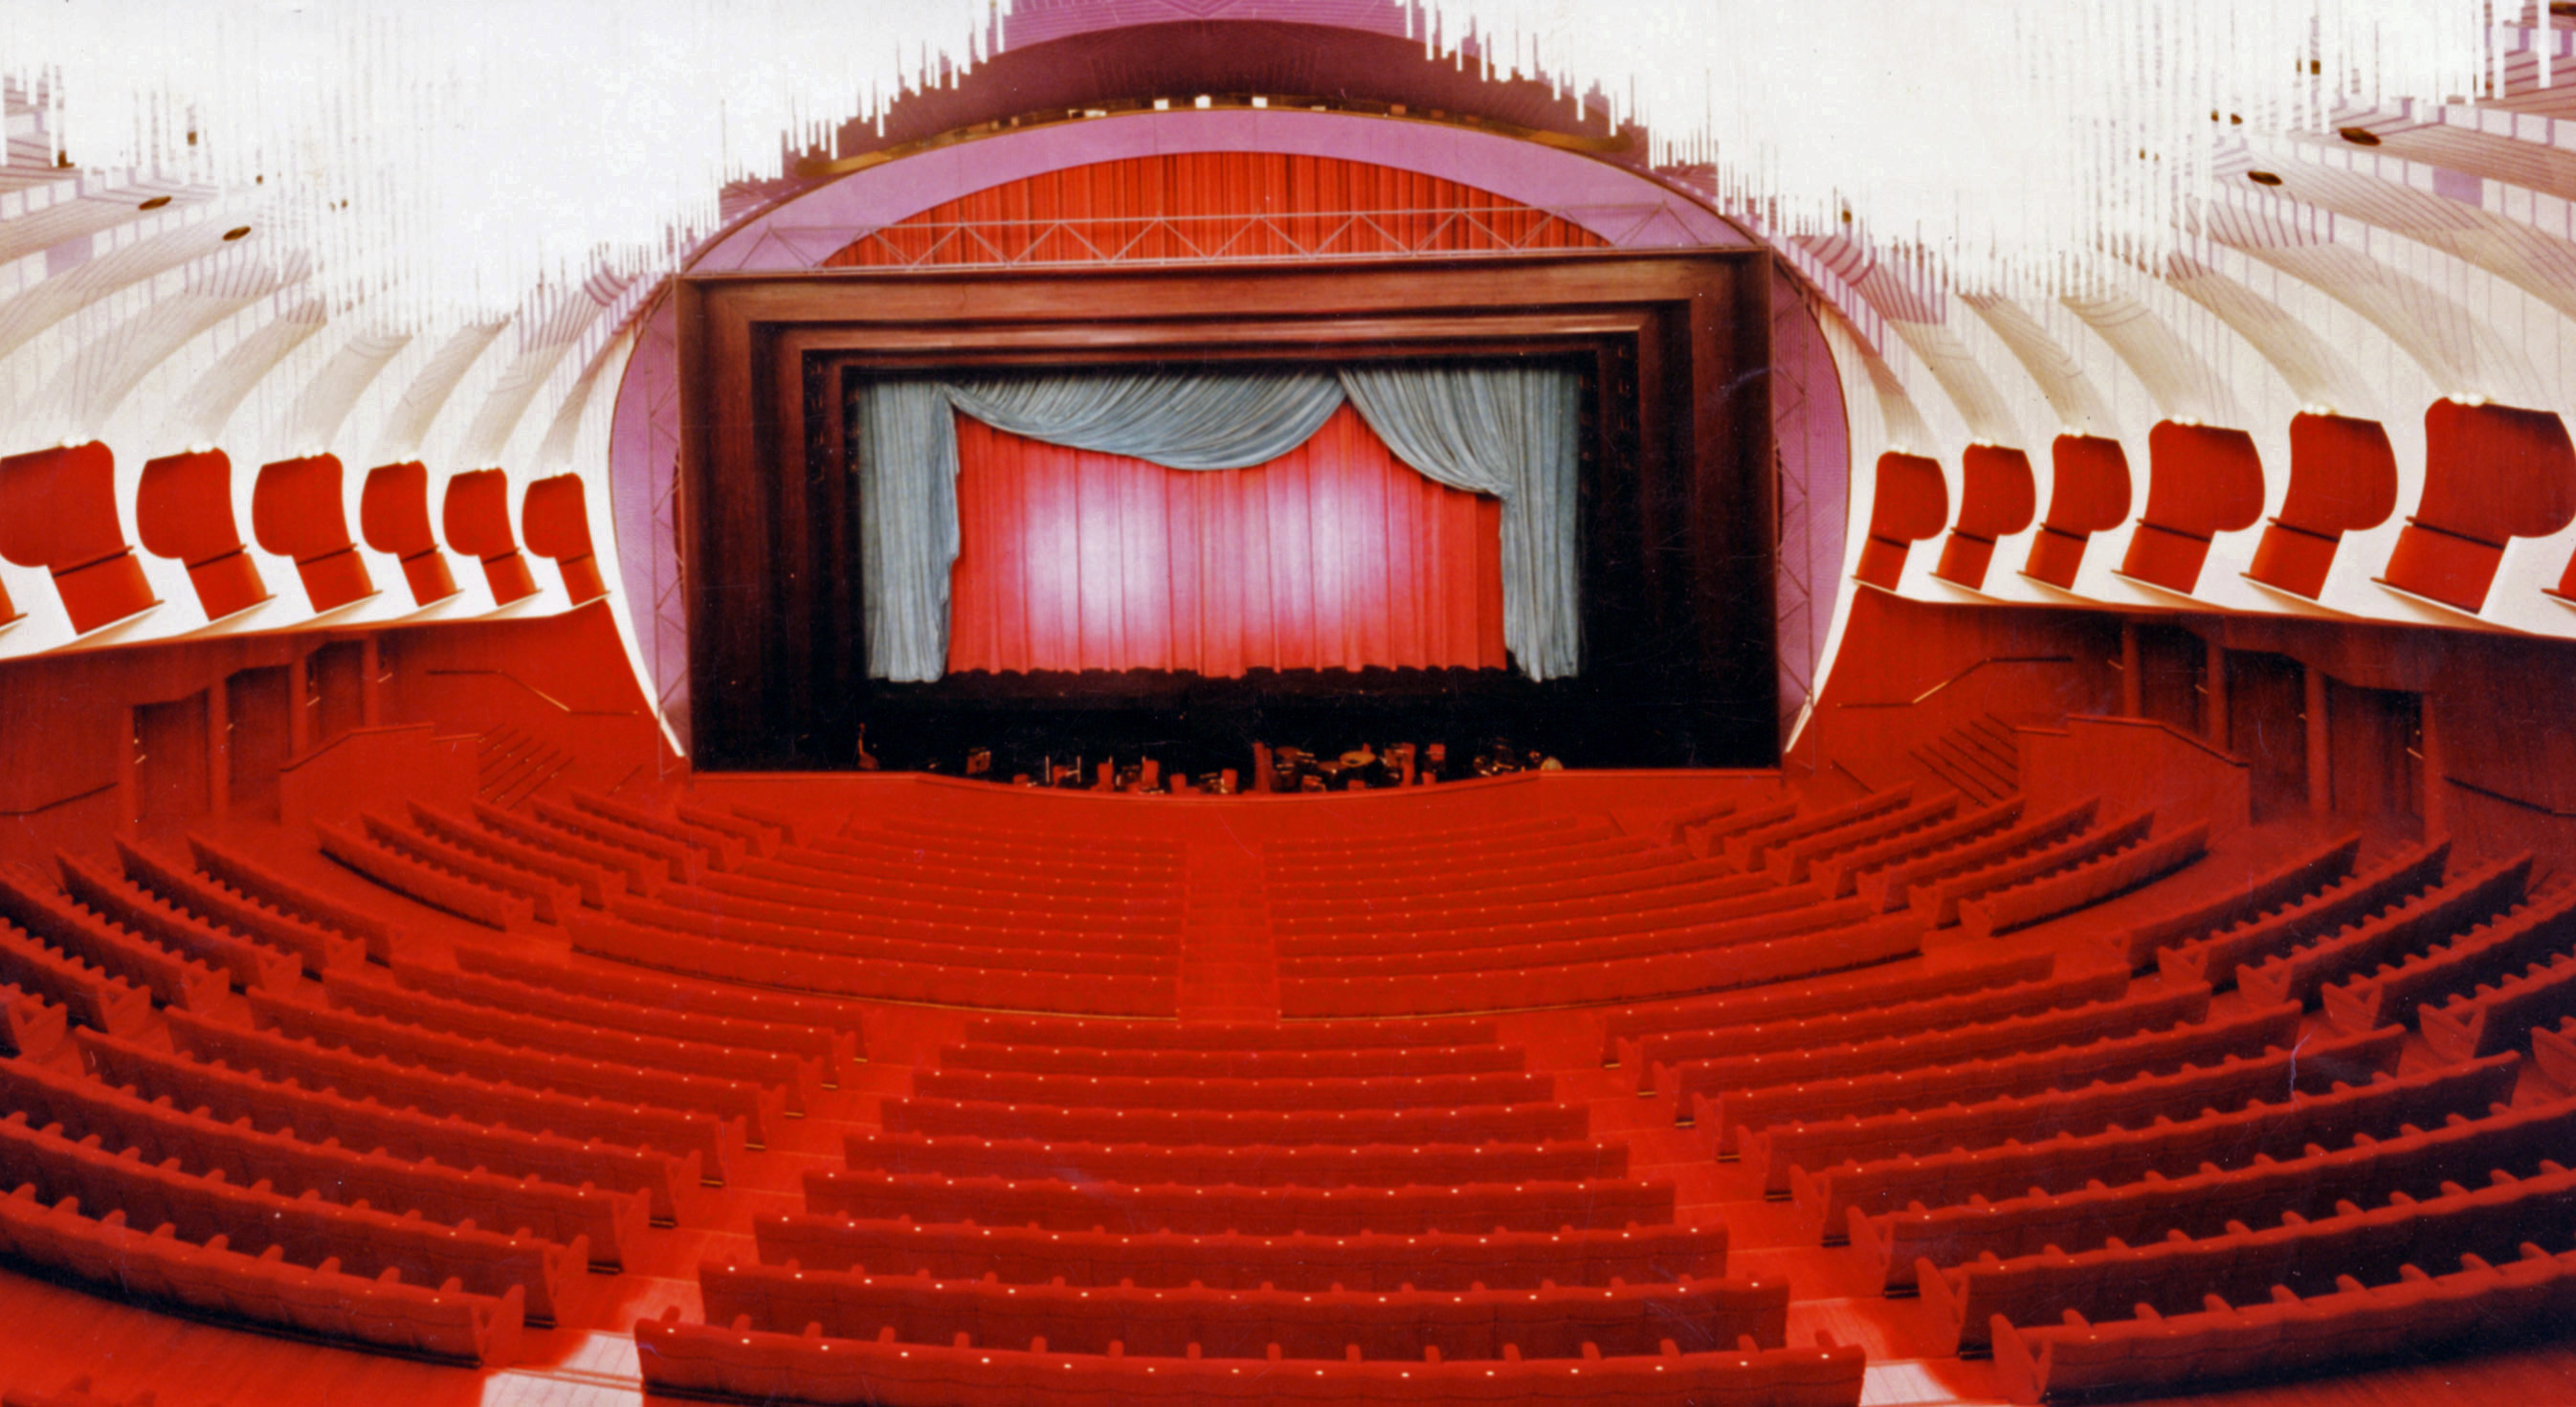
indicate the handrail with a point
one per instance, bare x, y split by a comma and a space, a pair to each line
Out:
2204, 744
44, 806
2526, 804
346, 734
559, 705
1955, 678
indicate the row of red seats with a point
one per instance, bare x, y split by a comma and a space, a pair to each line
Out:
1049, 860
1440, 1260
1846, 872
722, 847
29, 1024
1593, 836
1628, 979
2209, 1202
1593, 921
1239, 1165
930, 831
2461, 902
768, 1052
1895, 886
2502, 1014
2215, 958
1709, 836
547, 867
668, 859
1255, 1211
1752, 850
313, 1116
253, 880
1943, 898
850, 924
2293, 880
1680, 889
1151, 1092
1229, 1035
89, 994
1830, 1197
1537, 831
28, 900
550, 898
665, 992
1949, 1115
392, 1037
1676, 1053
949, 984
1608, 936
1196, 1322
2541, 928
736, 922
995, 884
1383, 1062
318, 946
2104, 876
636, 872
307, 1230
1488, 1123
1800, 859
864, 907
716, 1141
215, 1280
2491, 1221
706, 1360
415, 1002
1694, 1083
1634, 857
1634, 1037
2412, 1318
801, 877
424, 881
121, 1118
1732, 1114
139, 911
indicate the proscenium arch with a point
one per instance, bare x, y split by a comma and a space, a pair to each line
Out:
1624, 208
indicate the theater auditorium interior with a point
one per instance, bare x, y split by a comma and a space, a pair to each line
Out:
1190, 701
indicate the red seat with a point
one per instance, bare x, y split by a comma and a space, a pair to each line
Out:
2491, 474
393, 511
2090, 495
1912, 503
58, 511
557, 524
2201, 480
1997, 498
2343, 478
477, 518
296, 510
184, 509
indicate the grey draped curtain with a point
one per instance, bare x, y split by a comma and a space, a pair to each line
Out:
1503, 430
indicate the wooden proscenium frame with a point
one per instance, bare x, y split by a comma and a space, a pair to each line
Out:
1680, 494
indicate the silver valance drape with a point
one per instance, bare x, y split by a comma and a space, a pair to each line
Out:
1503, 430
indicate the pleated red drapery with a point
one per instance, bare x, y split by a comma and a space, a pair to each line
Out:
1336, 555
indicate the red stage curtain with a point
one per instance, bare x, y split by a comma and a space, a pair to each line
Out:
1336, 555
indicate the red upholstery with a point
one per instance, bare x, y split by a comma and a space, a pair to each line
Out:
2201, 480
296, 510
2090, 494
2463, 901
184, 509
58, 511
2491, 474
2533, 931
1997, 498
477, 518
205, 897
557, 525
2343, 478
1912, 503
2215, 957
393, 512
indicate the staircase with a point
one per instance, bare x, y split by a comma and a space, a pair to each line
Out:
1982, 758
511, 764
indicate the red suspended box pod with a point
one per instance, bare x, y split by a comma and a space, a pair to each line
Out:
556, 520
58, 512
477, 516
2343, 479
2089, 493
2201, 481
183, 509
1997, 498
2491, 474
393, 513
1911, 504
296, 510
